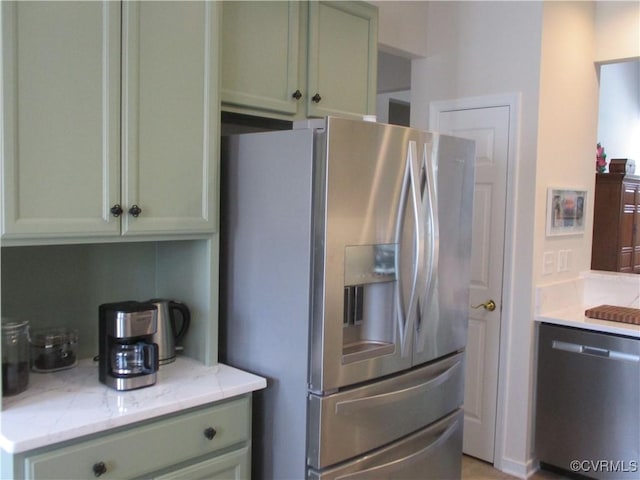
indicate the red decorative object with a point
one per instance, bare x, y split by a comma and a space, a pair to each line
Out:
601, 159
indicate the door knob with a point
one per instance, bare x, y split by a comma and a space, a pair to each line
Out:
489, 305
316, 98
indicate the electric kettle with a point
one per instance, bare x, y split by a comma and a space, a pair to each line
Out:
168, 335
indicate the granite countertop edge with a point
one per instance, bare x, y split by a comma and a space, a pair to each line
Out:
574, 317
70, 404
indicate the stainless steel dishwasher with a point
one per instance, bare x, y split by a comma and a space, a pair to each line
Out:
588, 403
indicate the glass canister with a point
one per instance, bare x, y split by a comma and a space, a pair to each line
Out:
15, 356
53, 349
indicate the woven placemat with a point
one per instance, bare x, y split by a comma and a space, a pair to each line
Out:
615, 314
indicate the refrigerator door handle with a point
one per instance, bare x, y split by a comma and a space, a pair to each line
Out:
349, 407
400, 464
400, 317
430, 210
410, 185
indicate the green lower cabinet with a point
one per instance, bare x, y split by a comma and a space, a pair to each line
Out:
230, 466
208, 442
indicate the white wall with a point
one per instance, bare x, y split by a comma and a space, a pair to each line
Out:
394, 73
482, 48
619, 110
567, 128
617, 26
401, 27
543, 51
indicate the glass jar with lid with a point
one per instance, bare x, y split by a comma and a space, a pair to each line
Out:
15, 356
53, 349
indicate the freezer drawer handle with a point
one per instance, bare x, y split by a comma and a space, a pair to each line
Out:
400, 464
350, 407
594, 351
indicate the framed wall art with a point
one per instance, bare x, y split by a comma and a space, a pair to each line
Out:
565, 211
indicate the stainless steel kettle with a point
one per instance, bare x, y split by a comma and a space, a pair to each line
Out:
168, 335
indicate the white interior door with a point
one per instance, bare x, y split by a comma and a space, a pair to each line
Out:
489, 127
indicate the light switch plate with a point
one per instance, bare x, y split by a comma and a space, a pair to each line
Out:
548, 262
564, 257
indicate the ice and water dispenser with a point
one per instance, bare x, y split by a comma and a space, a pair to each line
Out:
369, 296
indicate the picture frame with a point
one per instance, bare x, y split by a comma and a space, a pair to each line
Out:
566, 211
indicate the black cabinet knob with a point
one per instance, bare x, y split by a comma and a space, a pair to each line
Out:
135, 210
116, 210
297, 95
99, 468
210, 432
316, 98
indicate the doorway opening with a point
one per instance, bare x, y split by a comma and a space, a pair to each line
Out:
394, 89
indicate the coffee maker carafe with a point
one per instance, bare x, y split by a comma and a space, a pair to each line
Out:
128, 358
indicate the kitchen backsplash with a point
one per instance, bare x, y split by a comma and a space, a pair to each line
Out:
591, 289
621, 289
63, 285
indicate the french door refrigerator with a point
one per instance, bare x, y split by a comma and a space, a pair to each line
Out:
345, 267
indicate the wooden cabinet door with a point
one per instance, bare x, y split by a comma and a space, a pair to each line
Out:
170, 117
342, 59
627, 228
260, 56
636, 232
61, 118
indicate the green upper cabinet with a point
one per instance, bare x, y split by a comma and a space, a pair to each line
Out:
260, 55
292, 60
342, 59
108, 106
61, 104
170, 116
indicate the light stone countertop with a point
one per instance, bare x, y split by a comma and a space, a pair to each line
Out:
574, 317
72, 403
564, 303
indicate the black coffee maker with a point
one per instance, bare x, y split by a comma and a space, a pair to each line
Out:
128, 358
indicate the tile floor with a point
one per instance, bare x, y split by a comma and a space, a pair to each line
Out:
474, 469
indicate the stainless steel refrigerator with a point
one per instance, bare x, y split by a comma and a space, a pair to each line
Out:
345, 268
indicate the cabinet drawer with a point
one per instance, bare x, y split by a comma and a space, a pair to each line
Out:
147, 448
229, 466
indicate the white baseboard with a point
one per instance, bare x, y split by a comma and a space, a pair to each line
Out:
518, 469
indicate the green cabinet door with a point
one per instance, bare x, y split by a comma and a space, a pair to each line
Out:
259, 67
292, 60
170, 117
342, 58
234, 465
109, 104
60, 118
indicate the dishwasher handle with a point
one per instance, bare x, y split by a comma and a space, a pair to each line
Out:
594, 351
